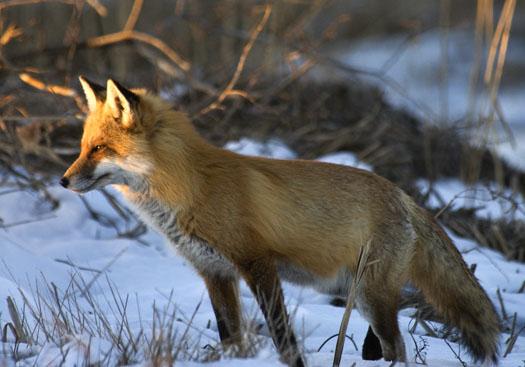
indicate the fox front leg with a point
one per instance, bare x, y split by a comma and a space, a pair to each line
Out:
224, 297
261, 277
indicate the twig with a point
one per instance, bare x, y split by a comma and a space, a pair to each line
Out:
459, 195
502, 305
133, 15
187, 329
247, 48
512, 341
229, 90
513, 327
70, 263
121, 210
456, 354
420, 350
99, 216
425, 326
333, 336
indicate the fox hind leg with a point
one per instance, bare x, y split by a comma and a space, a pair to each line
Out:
378, 301
372, 347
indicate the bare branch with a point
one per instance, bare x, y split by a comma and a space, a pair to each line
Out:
133, 15
127, 35
52, 88
229, 90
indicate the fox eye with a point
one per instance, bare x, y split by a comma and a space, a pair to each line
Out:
97, 148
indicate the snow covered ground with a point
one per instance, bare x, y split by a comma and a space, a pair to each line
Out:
54, 247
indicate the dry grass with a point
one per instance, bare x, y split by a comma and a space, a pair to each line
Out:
76, 325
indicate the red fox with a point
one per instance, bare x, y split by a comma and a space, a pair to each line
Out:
265, 220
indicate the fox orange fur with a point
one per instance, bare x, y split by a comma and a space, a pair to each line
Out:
267, 220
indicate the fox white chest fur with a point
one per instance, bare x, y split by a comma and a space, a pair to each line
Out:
164, 219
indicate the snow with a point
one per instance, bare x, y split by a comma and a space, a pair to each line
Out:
154, 277
416, 79
416, 64
273, 148
345, 158
490, 201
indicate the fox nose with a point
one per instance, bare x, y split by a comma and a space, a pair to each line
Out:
64, 181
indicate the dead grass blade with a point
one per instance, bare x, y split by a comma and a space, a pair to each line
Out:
362, 264
498, 46
17, 325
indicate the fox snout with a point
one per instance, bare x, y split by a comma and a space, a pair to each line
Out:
64, 181
82, 176
78, 177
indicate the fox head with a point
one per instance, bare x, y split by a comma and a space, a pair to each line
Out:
114, 143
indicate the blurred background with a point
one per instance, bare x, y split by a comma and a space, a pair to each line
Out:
428, 93
415, 89
448, 64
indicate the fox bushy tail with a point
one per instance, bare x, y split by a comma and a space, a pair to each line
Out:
440, 272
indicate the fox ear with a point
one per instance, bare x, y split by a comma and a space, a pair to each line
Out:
94, 93
122, 103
